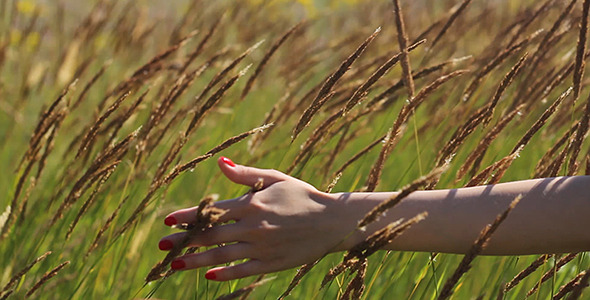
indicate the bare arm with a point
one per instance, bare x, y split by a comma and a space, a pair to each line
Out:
289, 223
552, 217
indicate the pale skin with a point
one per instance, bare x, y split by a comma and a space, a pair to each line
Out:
289, 222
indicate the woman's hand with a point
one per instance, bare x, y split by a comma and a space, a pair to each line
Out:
289, 223
286, 224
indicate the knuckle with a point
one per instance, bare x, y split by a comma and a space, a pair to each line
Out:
256, 204
243, 172
275, 172
260, 232
265, 226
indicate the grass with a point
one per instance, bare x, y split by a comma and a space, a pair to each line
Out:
111, 113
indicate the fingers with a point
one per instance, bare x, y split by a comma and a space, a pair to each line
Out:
248, 175
211, 257
212, 236
240, 174
222, 255
229, 233
233, 207
249, 268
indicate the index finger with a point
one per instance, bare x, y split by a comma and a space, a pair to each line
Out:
234, 208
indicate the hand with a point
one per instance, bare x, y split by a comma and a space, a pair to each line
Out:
286, 224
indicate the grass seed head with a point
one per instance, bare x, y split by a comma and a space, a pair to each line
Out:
45, 278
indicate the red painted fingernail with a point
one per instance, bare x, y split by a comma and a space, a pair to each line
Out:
228, 161
178, 264
165, 245
210, 275
169, 221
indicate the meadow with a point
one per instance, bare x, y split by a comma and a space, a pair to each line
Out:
113, 113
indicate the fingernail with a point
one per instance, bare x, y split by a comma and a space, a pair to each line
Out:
169, 221
228, 161
165, 245
210, 275
178, 264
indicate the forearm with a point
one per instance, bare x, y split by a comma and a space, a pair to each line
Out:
288, 222
553, 216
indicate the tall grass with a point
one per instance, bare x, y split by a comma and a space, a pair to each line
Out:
111, 113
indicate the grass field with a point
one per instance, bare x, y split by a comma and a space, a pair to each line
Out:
112, 115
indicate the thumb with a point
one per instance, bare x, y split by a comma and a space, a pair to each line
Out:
249, 175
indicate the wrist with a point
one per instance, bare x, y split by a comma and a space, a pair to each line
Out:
348, 209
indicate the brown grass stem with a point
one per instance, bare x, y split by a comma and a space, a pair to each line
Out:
402, 39
495, 62
579, 286
393, 134
380, 209
502, 88
450, 22
569, 286
275, 46
327, 86
580, 63
541, 121
91, 134
16, 277
549, 274
45, 278
302, 271
206, 216
526, 272
485, 142
245, 290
